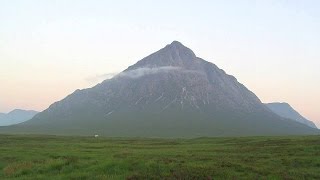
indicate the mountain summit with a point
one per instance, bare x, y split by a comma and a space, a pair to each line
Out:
170, 93
174, 54
16, 116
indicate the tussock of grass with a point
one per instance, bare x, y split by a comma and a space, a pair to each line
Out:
17, 169
51, 157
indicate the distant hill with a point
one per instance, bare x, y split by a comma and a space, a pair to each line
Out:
286, 111
16, 116
170, 93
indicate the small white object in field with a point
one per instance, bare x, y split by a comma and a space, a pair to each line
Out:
96, 136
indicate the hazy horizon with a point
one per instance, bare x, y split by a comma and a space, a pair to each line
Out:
48, 49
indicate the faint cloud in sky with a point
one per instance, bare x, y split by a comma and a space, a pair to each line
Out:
137, 73
100, 77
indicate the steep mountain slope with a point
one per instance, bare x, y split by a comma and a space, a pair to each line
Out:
170, 93
286, 111
16, 116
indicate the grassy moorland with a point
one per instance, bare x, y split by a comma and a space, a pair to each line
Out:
51, 157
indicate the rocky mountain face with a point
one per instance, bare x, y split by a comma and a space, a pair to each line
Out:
286, 111
170, 93
16, 116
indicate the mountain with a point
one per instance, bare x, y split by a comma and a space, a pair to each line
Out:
286, 111
2, 115
170, 93
16, 116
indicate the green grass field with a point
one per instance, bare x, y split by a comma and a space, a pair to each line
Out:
51, 157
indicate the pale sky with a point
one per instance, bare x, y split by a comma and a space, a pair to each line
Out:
50, 48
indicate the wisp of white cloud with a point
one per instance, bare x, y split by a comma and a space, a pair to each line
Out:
137, 73
100, 77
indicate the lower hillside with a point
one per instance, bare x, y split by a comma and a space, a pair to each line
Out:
54, 157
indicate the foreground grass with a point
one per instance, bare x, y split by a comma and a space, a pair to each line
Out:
50, 157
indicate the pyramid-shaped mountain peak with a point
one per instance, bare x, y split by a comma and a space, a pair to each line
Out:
179, 49
178, 45
170, 93
174, 54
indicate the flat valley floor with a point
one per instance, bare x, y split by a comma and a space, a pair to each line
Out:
55, 157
